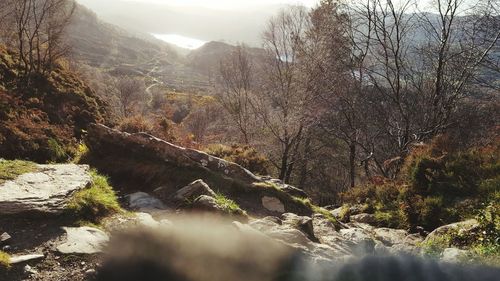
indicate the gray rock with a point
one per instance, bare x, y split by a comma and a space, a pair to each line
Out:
206, 203
193, 191
336, 212
364, 218
302, 223
25, 258
100, 137
144, 202
361, 241
46, 191
390, 236
288, 233
453, 255
273, 204
458, 227
4, 238
83, 240
29, 270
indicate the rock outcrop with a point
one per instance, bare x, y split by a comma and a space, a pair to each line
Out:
46, 191
147, 162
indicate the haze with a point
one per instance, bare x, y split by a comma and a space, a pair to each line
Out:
219, 20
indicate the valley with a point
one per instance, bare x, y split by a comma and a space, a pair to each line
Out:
249, 140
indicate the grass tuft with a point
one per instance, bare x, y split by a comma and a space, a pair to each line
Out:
229, 205
4, 260
10, 170
81, 153
96, 202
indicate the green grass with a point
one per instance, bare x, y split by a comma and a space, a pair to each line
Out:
10, 170
81, 153
4, 260
487, 254
434, 247
229, 206
94, 203
267, 185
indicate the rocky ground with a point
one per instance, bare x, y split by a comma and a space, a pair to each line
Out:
44, 244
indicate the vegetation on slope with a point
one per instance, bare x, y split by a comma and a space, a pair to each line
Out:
10, 170
437, 186
244, 155
43, 122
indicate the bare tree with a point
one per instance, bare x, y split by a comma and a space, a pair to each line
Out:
129, 92
281, 103
235, 90
414, 69
35, 29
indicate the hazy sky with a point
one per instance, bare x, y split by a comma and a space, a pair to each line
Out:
227, 4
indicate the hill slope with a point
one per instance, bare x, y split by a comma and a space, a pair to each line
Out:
44, 122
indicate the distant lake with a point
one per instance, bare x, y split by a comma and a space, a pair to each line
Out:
180, 41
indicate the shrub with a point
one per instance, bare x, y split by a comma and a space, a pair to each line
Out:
10, 170
245, 156
96, 202
431, 212
435, 187
136, 124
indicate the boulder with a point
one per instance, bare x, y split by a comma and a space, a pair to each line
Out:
206, 203
192, 191
143, 202
364, 218
326, 233
169, 167
390, 236
361, 241
288, 232
302, 223
82, 240
46, 191
461, 228
345, 212
105, 140
273, 204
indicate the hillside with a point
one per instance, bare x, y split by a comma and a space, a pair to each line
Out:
82, 230
113, 50
46, 121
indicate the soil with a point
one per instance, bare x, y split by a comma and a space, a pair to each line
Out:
35, 235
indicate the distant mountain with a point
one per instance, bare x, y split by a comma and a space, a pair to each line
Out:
100, 44
201, 23
207, 58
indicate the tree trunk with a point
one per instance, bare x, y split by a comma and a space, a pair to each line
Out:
352, 163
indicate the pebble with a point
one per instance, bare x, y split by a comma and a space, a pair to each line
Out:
28, 269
